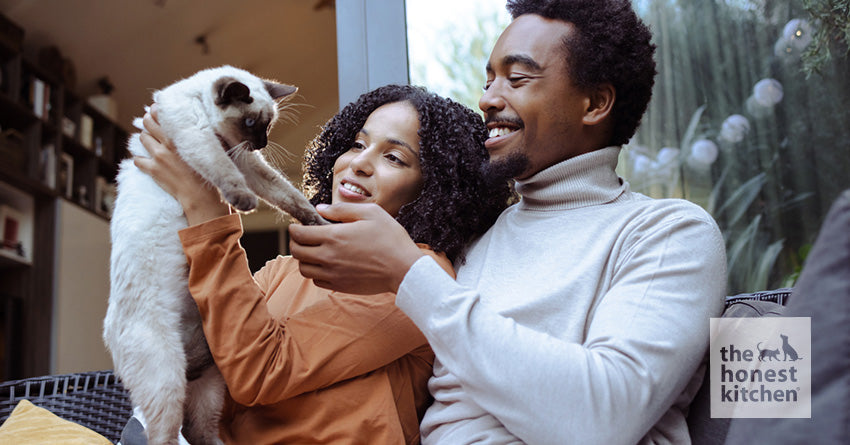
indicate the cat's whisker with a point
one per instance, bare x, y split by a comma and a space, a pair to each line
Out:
278, 155
237, 150
288, 111
290, 116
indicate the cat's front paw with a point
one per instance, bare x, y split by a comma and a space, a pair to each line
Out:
244, 202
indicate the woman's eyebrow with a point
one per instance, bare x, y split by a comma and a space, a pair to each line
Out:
402, 144
394, 141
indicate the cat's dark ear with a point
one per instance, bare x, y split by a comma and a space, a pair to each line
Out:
278, 90
230, 90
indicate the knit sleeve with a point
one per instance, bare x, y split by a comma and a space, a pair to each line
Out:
265, 359
643, 342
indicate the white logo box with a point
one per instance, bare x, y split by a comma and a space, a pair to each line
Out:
761, 367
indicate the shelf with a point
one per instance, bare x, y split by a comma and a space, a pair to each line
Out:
9, 258
54, 147
16, 226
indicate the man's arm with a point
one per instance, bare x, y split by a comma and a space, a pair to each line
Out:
642, 344
368, 254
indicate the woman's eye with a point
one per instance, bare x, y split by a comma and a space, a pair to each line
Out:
394, 159
357, 145
249, 122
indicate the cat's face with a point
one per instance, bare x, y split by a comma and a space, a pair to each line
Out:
247, 114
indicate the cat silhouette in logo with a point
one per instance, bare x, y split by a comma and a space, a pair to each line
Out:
788, 350
767, 354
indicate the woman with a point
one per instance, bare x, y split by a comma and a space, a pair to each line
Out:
306, 365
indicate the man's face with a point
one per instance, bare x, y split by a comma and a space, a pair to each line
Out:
531, 107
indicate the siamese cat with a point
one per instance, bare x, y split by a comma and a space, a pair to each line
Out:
218, 120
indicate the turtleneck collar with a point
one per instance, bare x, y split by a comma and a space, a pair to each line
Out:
582, 181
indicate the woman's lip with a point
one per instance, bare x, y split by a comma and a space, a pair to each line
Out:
350, 194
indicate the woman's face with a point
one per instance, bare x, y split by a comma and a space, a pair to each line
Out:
382, 166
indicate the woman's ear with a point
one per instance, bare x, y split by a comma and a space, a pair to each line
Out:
600, 104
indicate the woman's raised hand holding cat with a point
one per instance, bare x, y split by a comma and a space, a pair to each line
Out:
200, 201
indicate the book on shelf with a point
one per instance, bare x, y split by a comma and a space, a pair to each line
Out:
40, 98
66, 176
69, 128
47, 165
86, 130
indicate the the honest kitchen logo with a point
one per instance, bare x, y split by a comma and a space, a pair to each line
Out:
760, 367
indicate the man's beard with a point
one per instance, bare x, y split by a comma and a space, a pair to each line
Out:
509, 167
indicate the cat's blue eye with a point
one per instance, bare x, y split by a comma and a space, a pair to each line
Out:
249, 122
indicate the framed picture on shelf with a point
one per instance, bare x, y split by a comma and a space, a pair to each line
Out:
10, 228
66, 176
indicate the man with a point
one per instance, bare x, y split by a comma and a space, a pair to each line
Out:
582, 315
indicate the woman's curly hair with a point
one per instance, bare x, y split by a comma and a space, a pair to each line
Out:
612, 45
457, 202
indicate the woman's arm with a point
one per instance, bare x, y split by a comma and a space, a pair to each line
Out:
201, 201
265, 358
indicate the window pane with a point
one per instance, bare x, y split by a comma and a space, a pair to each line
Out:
449, 42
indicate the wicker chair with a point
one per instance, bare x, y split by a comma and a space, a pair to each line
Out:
96, 400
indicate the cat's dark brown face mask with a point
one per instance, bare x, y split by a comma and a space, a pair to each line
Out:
251, 123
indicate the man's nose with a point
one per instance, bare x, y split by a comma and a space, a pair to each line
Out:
492, 99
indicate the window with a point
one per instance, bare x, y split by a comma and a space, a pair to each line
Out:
738, 123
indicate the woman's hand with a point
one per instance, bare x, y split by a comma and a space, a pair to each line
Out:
201, 202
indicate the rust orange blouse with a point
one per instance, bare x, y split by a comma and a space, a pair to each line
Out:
304, 364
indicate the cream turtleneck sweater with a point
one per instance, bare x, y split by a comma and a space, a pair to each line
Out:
580, 317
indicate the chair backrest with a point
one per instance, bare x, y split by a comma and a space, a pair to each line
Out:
96, 400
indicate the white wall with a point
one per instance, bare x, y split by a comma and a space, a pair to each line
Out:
81, 291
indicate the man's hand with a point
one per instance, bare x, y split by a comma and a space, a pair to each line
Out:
367, 253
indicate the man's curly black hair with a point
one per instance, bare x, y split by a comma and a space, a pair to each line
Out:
612, 45
457, 202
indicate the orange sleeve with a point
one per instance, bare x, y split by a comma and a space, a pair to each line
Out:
265, 360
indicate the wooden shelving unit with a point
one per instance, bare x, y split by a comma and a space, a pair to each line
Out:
53, 145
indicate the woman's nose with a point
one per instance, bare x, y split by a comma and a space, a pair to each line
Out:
363, 162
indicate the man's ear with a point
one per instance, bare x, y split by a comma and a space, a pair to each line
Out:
600, 104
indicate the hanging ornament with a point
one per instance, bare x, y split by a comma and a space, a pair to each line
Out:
784, 50
641, 164
703, 153
667, 155
768, 92
756, 109
797, 34
734, 128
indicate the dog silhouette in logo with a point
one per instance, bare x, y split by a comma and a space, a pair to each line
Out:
767, 354
788, 350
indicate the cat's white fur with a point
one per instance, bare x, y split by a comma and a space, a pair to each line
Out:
152, 326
